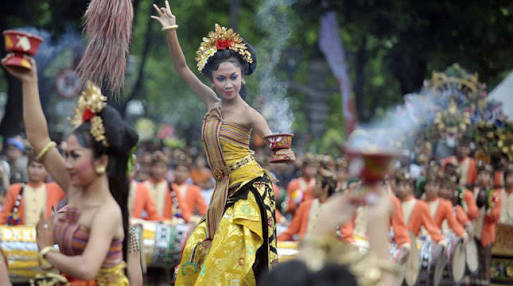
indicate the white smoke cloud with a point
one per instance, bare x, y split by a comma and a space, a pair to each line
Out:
273, 17
398, 127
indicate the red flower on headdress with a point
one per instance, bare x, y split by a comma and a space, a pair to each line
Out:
87, 114
223, 44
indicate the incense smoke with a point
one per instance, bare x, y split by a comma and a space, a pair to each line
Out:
273, 17
397, 129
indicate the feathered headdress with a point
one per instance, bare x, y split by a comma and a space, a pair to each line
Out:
221, 39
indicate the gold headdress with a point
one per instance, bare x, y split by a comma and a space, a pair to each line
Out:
90, 103
221, 39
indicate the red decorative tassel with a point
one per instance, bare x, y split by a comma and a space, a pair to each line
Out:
108, 25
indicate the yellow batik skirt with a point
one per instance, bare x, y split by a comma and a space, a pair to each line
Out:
240, 238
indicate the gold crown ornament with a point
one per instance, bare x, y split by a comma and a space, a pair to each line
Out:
90, 103
221, 39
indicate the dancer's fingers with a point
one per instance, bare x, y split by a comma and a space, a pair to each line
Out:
155, 17
158, 9
168, 7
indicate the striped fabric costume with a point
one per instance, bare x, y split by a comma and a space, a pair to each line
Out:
236, 242
72, 240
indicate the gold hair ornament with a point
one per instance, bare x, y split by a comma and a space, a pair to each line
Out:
221, 39
90, 104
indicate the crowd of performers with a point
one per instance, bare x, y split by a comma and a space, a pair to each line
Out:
235, 204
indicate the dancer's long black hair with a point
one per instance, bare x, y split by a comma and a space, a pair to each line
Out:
235, 58
121, 139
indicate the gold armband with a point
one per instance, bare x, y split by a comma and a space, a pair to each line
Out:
170, 27
43, 263
45, 150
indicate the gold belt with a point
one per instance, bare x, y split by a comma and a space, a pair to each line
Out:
219, 173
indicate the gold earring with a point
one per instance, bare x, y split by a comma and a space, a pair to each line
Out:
100, 170
243, 82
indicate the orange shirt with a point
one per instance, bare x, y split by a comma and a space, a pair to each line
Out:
299, 191
461, 216
491, 219
54, 194
468, 163
498, 180
143, 201
470, 204
299, 223
193, 198
444, 211
397, 222
167, 210
419, 217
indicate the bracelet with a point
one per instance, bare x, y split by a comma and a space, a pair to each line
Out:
170, 27
43, 263
45, 150
133, 244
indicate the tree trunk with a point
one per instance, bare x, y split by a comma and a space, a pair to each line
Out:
136, 90
409, 68
12, 122
234, 14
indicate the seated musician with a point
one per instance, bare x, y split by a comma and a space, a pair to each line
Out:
140, 203
24, 203
489, 202
449, 191
465, 163
325, 186
190, 193
396, 222
440, 209
416, 212
300, 189
507, 197
465, 198
169, 204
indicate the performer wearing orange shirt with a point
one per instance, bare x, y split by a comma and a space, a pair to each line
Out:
440, 209
168, 204
489, 202
466, 164
507, 198
140, 203
463, 197
447, 191
325, 186
300, 189
397, 224
415, 212
189, 192
24, 203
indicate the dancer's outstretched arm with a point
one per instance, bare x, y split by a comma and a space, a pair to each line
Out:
36, 126
167, 19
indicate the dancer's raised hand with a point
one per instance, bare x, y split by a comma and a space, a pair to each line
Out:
165, 17
21, 73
